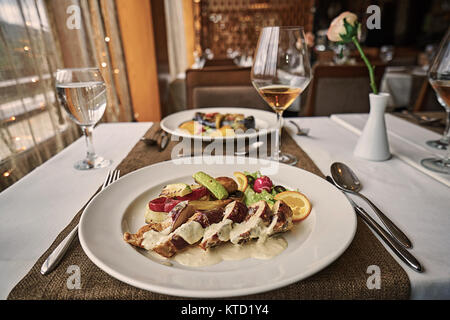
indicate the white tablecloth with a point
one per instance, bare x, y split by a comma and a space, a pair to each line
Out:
398, 81
35, 210
407, 141
417, 203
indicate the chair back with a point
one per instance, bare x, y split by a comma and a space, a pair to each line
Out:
221, 87
220, 63
340, 89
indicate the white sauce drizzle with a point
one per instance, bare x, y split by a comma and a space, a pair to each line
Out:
197, 257
191, 232
152, 238
265, 247
222, 229
254, 225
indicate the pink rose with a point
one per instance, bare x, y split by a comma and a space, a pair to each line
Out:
337, 25
309, 38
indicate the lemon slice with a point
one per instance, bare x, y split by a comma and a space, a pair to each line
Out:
242, 181
298, 202
188, 126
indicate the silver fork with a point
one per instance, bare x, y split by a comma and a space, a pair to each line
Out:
55, 257
300, 131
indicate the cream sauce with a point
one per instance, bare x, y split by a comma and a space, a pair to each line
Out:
265, 247
197, 257
191, 232
256, 228
152, 238
222, 229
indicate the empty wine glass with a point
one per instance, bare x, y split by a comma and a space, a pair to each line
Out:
439, 77
280, 72
82, 93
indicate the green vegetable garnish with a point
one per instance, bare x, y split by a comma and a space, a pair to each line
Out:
250, 197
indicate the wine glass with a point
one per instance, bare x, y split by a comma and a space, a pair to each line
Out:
444, 141
82, 93
387, 53
280, 72
439, 77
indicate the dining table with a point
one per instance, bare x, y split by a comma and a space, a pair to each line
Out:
403, 84
37, 211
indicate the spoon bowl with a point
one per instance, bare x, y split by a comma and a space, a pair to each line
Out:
345, 177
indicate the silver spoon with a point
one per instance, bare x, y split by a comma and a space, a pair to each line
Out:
346, 180
300, 131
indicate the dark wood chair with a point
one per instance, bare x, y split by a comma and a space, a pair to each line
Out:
405, 56
220, 63
221, 87
340, 89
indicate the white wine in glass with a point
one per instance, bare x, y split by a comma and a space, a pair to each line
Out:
82, 94
439, 77
280, 73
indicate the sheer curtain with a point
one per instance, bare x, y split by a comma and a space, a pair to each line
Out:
176, 42
36, 38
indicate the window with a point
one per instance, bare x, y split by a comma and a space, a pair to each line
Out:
34, 42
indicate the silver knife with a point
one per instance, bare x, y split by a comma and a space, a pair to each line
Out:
399, 250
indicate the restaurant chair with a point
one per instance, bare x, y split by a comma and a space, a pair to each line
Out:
372, 53
220, 63
340, 89
221, 87
404, 56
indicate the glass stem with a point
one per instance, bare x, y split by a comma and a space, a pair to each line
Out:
87, 131
277, 154
446, 137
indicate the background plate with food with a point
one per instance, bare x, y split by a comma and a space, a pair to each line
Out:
220, 123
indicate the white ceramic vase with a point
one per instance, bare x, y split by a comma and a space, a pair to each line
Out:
373, 143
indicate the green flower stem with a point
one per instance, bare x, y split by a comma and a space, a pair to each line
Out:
369, 66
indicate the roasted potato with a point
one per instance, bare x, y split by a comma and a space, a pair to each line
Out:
209, 205
229, 184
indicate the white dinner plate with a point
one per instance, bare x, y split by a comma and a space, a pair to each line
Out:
313, 243
265, 122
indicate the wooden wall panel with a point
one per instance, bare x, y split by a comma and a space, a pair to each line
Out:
135, 19
188, 17
236, 24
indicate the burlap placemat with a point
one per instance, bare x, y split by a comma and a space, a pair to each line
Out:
346, 278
